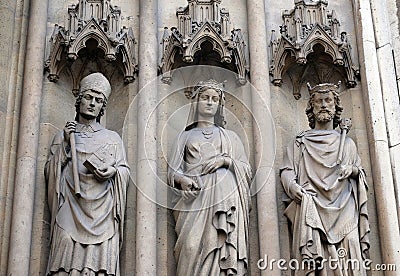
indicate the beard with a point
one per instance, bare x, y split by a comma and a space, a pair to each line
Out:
324, 116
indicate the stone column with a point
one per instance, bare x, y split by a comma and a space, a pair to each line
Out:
24, 186
264, 136
146, 220
165, 229
12, 63
377, 135
393, 10
384, 49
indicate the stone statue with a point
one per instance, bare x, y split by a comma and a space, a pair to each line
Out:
210, 169
87, 176
323, 177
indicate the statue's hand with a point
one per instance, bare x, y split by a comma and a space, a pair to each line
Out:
68, 129
104, 174
190, 189
346, 171
297, 192
187, 184
215, 164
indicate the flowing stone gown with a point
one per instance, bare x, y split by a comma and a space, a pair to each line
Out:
333, 214
212, 228
86, 231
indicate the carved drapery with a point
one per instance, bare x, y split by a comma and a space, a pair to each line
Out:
203, 27
92, 21
306, 27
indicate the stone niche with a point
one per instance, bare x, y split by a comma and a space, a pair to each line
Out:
204, 36
92, 41
311, 48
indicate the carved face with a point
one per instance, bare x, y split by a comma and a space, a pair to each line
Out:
324, 107
208, 103
91, 104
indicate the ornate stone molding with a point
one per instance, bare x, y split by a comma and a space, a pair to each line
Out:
95, 20
203, 21
307, 25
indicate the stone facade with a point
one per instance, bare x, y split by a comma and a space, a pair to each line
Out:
148, 101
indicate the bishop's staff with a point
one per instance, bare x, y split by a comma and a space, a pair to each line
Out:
77, 186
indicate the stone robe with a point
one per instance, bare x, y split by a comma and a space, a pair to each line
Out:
212, 229
333, 214
86, 231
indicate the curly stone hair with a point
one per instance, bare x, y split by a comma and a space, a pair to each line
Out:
78, 102
338, 108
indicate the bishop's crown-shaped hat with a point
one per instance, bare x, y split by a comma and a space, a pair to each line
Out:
96, 82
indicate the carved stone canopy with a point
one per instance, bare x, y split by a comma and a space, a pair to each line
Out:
203, 37
94, 22
310, 26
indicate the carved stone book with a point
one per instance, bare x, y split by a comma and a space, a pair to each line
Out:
100, 159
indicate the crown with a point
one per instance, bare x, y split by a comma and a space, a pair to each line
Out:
213, 84
323, 87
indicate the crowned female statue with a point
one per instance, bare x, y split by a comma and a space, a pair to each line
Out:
211, 172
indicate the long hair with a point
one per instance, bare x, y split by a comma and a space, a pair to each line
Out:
338, 109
